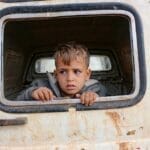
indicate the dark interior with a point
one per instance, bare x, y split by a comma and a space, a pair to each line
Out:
24, 38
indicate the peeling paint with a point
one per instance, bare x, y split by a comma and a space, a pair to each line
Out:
141, 128
132, 132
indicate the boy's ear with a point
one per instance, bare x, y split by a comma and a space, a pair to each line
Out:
88, 73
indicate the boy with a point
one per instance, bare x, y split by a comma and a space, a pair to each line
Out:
72, 77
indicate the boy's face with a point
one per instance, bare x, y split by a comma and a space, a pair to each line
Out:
71, 78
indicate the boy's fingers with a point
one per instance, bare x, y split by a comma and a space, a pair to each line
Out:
82, 98
51, 95
41, 95
35, 95
46, 94
85, 98
88, 98
93, 97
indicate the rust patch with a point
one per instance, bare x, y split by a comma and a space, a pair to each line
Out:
115, 117
125, 146
131, 132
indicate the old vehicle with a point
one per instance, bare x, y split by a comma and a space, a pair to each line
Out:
117, 35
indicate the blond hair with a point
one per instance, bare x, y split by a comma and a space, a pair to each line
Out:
71, 51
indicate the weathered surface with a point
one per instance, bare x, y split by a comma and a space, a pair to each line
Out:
116, 129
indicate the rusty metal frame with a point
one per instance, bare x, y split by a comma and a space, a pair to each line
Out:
27, 12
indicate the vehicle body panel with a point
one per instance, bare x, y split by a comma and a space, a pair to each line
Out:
119, 129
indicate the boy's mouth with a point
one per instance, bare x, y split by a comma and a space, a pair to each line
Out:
70, 86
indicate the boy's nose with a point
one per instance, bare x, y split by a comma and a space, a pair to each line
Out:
70, 76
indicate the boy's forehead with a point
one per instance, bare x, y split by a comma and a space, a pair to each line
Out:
76, 60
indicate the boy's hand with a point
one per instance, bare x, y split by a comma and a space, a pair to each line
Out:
87, 98
43, 93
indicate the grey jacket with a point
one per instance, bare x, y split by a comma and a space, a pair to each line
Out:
90, 85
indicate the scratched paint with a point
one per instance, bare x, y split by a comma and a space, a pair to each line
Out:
115, 129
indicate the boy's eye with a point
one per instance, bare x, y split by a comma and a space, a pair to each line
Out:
63, 72
77, 71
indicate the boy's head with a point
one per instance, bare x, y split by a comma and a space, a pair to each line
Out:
72, 62
71, 51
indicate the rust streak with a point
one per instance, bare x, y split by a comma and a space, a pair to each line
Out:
115, 117
125, 146
73, 123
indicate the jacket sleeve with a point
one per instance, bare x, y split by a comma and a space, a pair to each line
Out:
95, 86
102, 90
26, 94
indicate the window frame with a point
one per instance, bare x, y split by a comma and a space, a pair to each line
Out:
27, 12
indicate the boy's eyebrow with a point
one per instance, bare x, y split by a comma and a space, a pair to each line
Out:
72, 68
62, 68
